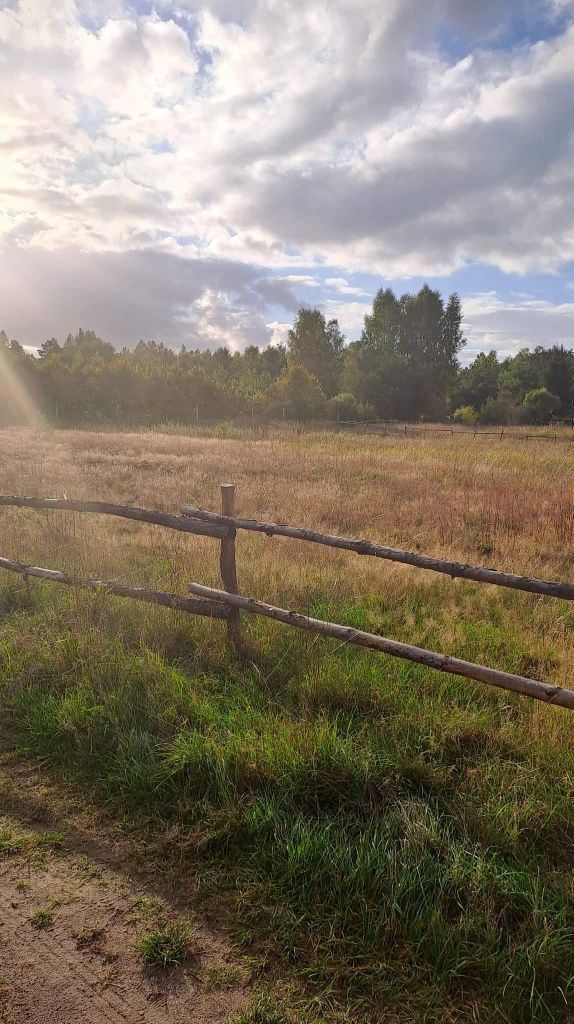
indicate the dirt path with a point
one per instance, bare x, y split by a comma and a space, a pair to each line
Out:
70, 919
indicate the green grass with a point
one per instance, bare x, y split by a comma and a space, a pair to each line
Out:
401, 840
165, 947
50, 841
10, 845
222, 976
43, 918
15, 841
263, 1011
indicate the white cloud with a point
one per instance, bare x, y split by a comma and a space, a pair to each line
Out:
331, 134
350, 315
342, 286
278, 332
303, 279
507, 326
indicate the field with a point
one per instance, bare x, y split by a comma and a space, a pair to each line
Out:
383, 843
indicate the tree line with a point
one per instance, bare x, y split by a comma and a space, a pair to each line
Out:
405, 366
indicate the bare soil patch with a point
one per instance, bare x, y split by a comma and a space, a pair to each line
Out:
70, 920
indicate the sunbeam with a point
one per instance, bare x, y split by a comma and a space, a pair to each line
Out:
17, 403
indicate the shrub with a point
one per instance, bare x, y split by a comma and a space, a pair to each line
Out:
502, 410
540, 404
466, 414
345, 406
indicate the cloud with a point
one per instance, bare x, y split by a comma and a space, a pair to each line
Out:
307, 280
484, 172
351, 315
138, 294
313, 139
507, 326
278, 332
342, 286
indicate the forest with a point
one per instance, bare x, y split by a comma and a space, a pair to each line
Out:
405, 366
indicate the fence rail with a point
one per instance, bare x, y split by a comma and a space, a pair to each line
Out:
163, 597
227, 603
480, 574
406, 429
140, 515
442, 662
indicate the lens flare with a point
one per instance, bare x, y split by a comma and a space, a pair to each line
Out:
17, 404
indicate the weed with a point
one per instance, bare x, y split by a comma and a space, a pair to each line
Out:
484, 548
167, 946
90, 935
221, 976
50, 840
10, 844
43, 918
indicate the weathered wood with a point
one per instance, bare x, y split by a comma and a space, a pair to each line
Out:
163, 597
442, 662
142, 515
366, 547
228, 565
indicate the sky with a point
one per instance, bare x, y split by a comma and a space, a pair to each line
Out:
193, 172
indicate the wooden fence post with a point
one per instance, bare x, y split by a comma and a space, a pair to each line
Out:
228, 566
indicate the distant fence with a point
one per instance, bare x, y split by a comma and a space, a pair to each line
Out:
227, 603
387, 429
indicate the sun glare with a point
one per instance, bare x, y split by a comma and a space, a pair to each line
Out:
17, 404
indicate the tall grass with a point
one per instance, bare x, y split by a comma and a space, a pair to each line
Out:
403, 840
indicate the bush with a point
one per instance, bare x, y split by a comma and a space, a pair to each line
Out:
345, 406
539, 405
500, 411
466, 414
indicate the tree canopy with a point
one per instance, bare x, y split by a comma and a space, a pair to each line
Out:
405, 366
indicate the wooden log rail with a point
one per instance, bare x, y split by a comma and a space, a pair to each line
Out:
366, 547
442, 662
226, 604
140, 515
163, 597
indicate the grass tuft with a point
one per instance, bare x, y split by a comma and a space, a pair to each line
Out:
50, 841
10, 844
42, 918
165, 947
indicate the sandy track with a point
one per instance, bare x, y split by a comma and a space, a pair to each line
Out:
82, 965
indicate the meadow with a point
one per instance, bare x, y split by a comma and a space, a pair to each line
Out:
399, 843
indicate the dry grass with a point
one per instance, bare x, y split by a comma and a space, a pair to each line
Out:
452, 496
509, 505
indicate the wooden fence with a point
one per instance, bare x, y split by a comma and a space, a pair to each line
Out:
227, 603
388, 429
